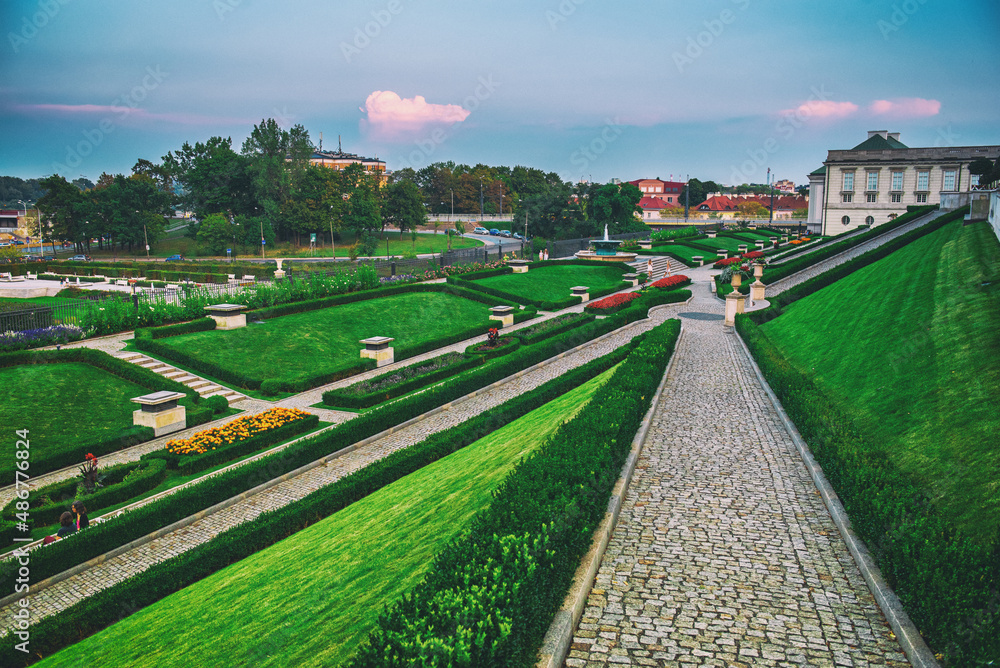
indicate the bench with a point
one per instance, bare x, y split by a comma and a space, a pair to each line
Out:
117, 282
7, 277
171, 286
32, 277
232, 278
249, 278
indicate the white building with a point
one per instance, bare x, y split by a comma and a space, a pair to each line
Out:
876, 180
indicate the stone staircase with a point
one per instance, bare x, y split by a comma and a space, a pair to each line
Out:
659, 266
205, 388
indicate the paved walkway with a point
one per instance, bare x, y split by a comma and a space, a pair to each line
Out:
63, 594
724, 553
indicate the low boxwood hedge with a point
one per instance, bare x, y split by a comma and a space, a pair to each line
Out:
200, 325
104, 608
552, 327
505, 346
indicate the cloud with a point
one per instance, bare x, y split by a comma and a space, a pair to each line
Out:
906, 107
391, 117
823, 109
120, 112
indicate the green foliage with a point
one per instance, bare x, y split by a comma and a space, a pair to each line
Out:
215, 234
675, 233
374, 391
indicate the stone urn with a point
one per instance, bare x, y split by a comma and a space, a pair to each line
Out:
279, 273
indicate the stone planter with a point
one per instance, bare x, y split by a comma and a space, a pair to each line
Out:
160, 412
227, 316
504, 314
581, 291
377, 348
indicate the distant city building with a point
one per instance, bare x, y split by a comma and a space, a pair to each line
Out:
10, 221
876, 180
785, 186
727, 207
652, 207
340, 160
668, 191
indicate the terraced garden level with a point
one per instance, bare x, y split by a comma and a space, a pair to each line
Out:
310, 599
553, 283
914, 363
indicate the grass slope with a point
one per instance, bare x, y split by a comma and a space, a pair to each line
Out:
65, 403
554, 282
327, 339
909, 346
308, 600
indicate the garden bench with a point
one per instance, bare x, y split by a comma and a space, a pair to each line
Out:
117, 282
30, 276
232, 278
171, 286
250, 278
10, 278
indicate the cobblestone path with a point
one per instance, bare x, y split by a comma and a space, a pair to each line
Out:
780, 286
724, 553
63, 594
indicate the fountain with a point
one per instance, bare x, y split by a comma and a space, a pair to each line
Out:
606, 250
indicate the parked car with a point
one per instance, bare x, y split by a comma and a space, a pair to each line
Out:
494, 232
517, 236
175, 258
480, 230
505, 233
80, 258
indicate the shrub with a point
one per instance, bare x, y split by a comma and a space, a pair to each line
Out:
368, 393
611, 304
671, 282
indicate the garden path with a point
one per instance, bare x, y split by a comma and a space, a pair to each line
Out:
724, 552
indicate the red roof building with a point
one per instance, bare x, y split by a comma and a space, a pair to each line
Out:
727, 206
668, 191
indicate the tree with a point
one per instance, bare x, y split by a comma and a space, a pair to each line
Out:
277, 160
215, 234
986, 169
697, 192
403, 207
64, 209
213, 177
555, 214
616, 205
751, 209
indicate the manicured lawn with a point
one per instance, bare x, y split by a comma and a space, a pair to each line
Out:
909, 347
312, 598
554, 282
729, 243
64, 404
44, 301
686, 253
305, 344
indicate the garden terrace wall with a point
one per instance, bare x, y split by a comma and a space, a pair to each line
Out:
947, 582
104, 608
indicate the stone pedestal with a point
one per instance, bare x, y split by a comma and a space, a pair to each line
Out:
581, 291
519, 266
711, 235
227, 316
646, 244
279, 272
742, 248
757, 291
760, 245
784, 237
505, 314
700, 259
722, 253
734, 305
773, 240
632, 278
377, 348
160, 412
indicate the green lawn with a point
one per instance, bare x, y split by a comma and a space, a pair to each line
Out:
305, 344
312, 598
909, 347
686, 253
554, 282
43, 301
64, 404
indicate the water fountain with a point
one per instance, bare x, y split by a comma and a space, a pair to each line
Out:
606, 250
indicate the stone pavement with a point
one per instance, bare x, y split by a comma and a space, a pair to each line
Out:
63, 594
724, 553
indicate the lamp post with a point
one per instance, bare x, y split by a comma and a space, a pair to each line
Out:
770, 187
480, 200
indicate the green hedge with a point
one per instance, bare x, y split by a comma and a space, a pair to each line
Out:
200, 325
104, 608
468, 281
775, 273
492, 593
508, 345
344, 398
948, 583
540, 332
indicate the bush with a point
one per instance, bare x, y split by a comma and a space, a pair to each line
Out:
201, 325
551, 327
504, 346
368, 393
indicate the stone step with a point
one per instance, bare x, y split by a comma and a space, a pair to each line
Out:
150, 363
161, 368
185, 379
174, 374
208, 389
230, 395
129, 356
197, 384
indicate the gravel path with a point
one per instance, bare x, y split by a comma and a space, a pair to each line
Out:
724, 553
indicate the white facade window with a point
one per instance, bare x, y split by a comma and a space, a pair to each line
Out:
847, 197
871, 197
897, 180
949, 180
921, 198
896, 198
923, 180
974, 179
872, 181
848, 181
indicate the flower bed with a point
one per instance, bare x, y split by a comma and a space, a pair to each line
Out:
239, 429
671, 281
613, 303
34, 338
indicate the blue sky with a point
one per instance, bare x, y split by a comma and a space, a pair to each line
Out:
719, 89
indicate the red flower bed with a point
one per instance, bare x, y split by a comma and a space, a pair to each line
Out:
614, 301
669, 281
753, 255
727, 261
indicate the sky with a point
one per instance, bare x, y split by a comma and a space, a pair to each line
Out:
717, 89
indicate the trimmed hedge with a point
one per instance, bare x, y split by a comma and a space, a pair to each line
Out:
104, 608
468, 281
491, 594
200, 325
542, 330
507, 345
344, 398
948, 583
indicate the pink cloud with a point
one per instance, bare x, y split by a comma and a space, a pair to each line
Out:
392, 117
823, 109
906, 107
121, 112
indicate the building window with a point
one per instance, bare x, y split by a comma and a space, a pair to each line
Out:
848, 181
923, 180
896, 198
847, 197
897, 180
869, 220
949, 180
921, 198
846, 220
871, 197
872, 181
974, 179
